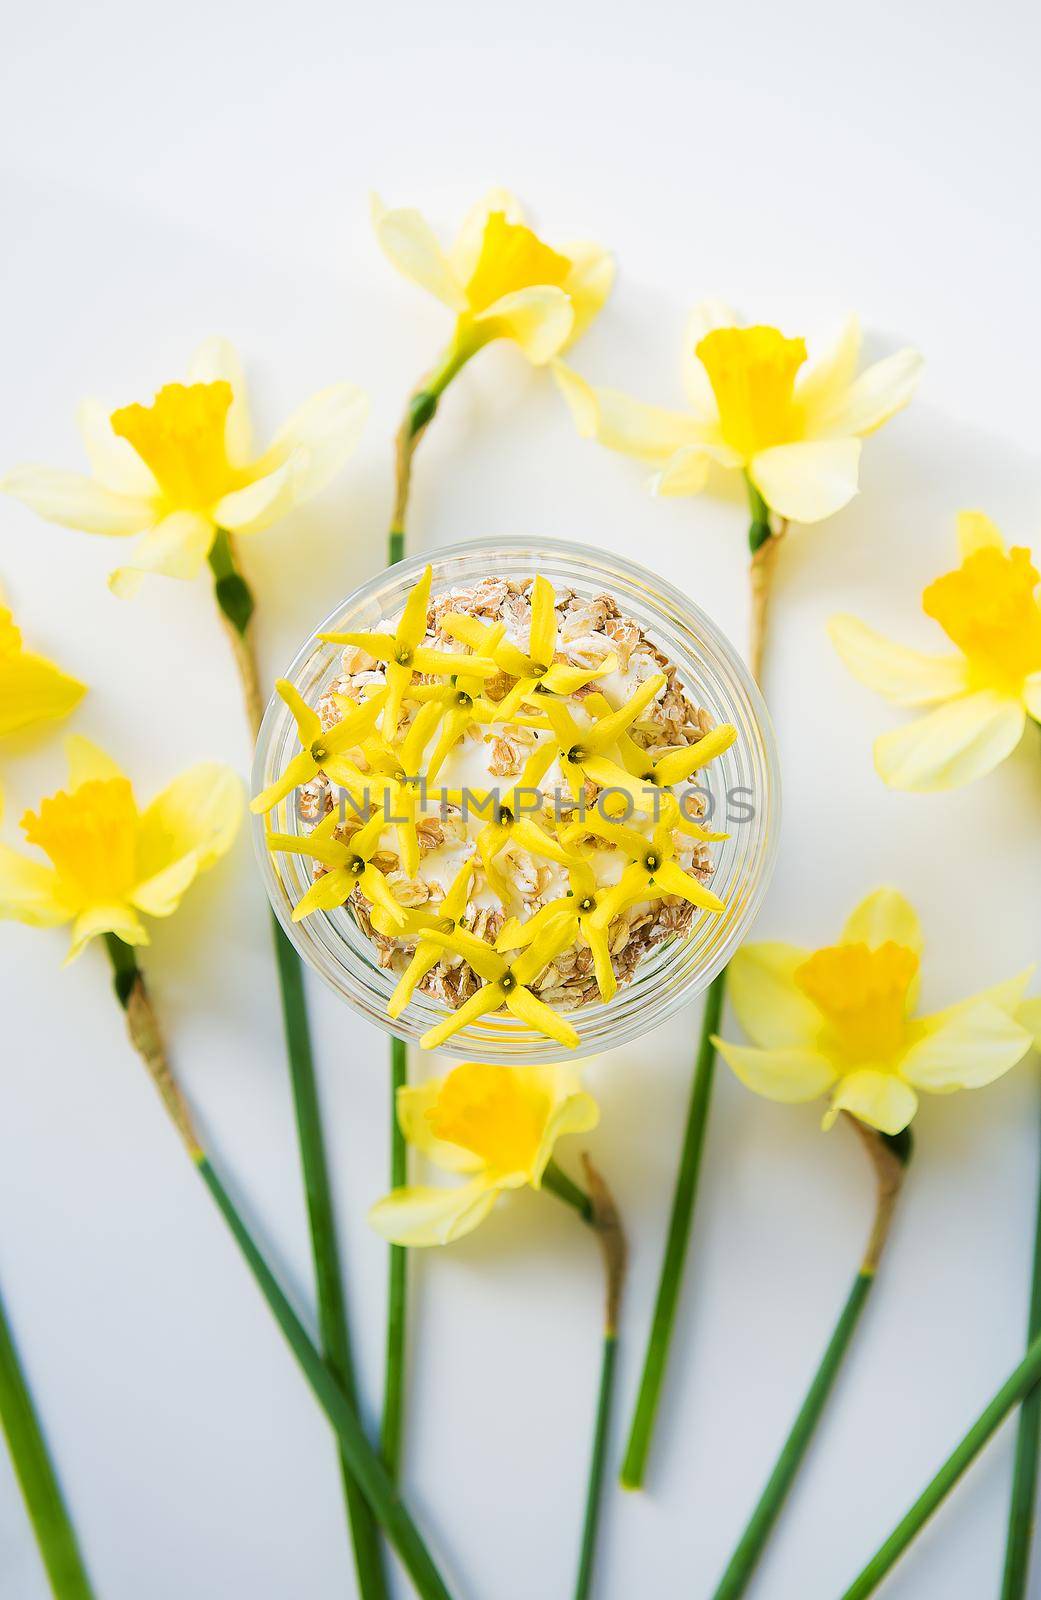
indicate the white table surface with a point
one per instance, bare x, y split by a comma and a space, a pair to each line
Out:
172, 172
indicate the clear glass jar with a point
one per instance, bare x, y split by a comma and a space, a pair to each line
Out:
744, 786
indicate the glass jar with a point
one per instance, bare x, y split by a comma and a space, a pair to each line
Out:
743, 797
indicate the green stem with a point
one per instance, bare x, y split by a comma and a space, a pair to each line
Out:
597, 1466
759, 529
363, 1464
325, 1253
889, 1157
684, 1195
1016, 1387
1024, 1475
34, 1470
565, 1188
397, 1283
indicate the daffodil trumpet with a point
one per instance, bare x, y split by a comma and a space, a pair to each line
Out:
840, 1021
497, 1128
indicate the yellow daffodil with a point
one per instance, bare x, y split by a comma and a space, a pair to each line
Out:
445, 918
753, 409
32, 689
581, 749
581, 914
324, 749
506, 984
110, 862
983, 694
539, 671
177, 470
405, 655
499, 277
840, 1021
508, 824
496, 1126
350, 865
653, 870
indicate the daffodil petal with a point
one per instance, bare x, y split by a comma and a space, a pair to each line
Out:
621, 423
575, 1111
878, 394
881, 916
88, 763
260, 503
953, 745
1029, 1016
96, 920
197, 815
826, 382
977, 532
906, 677
810, 481
33, 689
410, 244
420, 1215
319, 437
76, 501
588, 284
1032, 695
177, 547
966, 1051
539, 319
771, 1010
215, 361
414, 1101
880, 1099
31, 892
114, 462
790, 1075
685, 472
466, 251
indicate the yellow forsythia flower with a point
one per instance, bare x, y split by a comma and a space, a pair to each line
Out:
110, 861
32, 689
840, 1021
495, 1125
501, 280
177, 470
795, 433
983, 695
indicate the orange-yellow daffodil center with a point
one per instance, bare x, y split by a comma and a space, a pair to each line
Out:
863, 995
752, 372
91, 838
181, 438
494, 1113
987, 607
512, 258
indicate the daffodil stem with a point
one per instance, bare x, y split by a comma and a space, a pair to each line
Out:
1024, 1475
1017, 1387
677, 1241
397, 1281
235, 600
889, 1159
35, 1472
763, 539
419, 413
597, 1209
366, 1469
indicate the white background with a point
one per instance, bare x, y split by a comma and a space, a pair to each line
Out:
172, 172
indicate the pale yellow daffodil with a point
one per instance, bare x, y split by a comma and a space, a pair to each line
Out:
499, 278
983, 695
538, 672
350, 866
839, 1021
495, 1126
32, 689
324, 749
795, 434
183, 467
110, 862
404, 654
506, 983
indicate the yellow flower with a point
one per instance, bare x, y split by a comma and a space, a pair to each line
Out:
394, 773
538, 671
32, 689
177, 470
499, 277
984, 694
350, 866
324, 749
405, 655
445, 918
496, 1126
110, 861
507, 822
653, 870
581, 750
840, 1021
506, 983
795, 434
582, 913
459, 703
